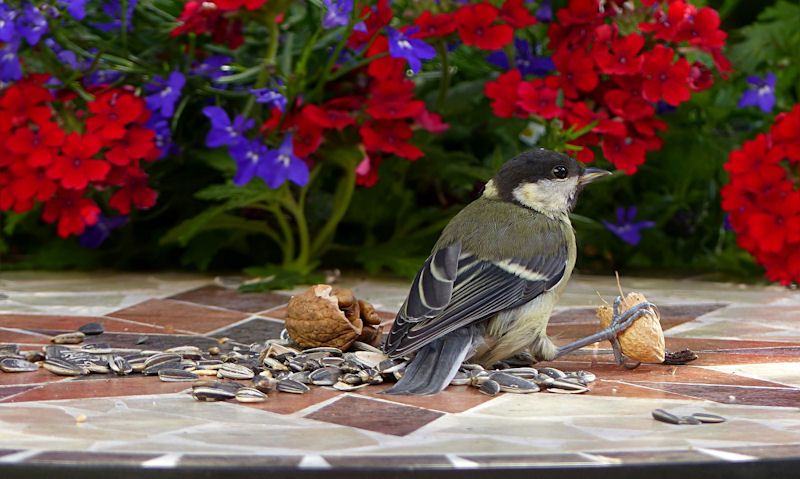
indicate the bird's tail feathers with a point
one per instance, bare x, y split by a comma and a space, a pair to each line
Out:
435, 365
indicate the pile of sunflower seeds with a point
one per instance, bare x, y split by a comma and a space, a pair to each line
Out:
217, 374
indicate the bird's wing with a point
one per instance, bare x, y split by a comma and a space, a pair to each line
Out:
455, 288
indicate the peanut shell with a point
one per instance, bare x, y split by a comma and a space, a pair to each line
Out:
644, 340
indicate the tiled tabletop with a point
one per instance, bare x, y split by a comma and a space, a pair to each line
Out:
747, 339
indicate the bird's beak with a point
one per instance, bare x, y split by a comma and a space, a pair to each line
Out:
591, 174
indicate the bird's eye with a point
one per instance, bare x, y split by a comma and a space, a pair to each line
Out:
560, 172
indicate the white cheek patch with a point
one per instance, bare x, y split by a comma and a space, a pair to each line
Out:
550, 197
489, 190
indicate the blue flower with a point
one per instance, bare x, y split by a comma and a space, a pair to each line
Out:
76, 8
66, 57
163, 139
166, 93
269, 97
223, 132
95, 235
10, 69
338, 15
545, 12
761, 93
8, 29
113, 9
626, 229
284, 165
31, 24
412, 49
102, 77
251, 161
212, 67
525, 60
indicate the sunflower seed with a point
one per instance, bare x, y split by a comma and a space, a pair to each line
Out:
490, 388
324, 349
265, 384
213, 350
162, 358
553, 373
559, 390
543, 380
332, 361
9, 350
327, 376
236, 371
566, 385
91, 329
120, 365
664, 416
478, 377
62, 367
33, 356
361, 346
250, 395
343, 386
210, 364
388, 366
522, 372
369, 359
14, 365
184, 350
472, 367
690, 420
274, 364
460, 379
350, 366
97, 368
513, 384
76, 337
176, 375
351, 378
211, 393
708, 418
291, 386
96, 348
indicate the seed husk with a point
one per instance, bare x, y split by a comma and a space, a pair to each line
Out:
33, 356
566, 386
460, 379
97, 368
369, 359
327, 376
709, 418
63, 367
522, 372
664, 416
274, 364
361, 346
176, 375
291, 386
388, 366
265, 384
162, 358
691, 420
248, 395
120, 365
91, 329
14, 365
490, 388
324, 349
513, 384
212, 393
343, 386
75, 337
553, 373
236, 371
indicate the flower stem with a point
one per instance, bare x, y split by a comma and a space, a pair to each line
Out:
341, 202
270, 58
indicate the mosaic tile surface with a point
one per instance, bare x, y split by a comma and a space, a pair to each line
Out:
747, 339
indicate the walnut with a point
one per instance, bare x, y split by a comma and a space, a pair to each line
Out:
644, 340
328, 316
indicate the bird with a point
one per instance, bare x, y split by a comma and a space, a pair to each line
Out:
488, 288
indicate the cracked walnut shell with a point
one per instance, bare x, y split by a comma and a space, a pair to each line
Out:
328, 316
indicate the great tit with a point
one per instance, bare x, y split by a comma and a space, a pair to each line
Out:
490, 284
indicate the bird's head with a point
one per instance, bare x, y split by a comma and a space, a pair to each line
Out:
542, 180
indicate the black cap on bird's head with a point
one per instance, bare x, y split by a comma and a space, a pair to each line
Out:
543, 180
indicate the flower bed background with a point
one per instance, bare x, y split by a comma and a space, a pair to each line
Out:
284, 136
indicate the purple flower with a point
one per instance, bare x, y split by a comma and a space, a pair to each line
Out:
76, 8
223, 132
338, 15
166, 93
412, 49
284, 165
545, 12
10, 69
113, 8
760, 93
251, 161
269, 97
102, 77
524, 60
95, 235
8, 30
212, 67
66, 57
163, 139
31, 24
626, 229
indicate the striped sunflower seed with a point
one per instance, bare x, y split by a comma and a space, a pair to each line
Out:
490, 388
291, 386
250, 395
75, 337
120, 365
176, 375
236, 371
63, 367
14, 365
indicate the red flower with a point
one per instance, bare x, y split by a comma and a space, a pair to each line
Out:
431, 122
703, 30
666, 25
113, 112
392, 100
39, 144
75, 168
664, 80
625, 152
237, 4
503, 93
206, 17
536, 96
390, 136
628, 106
72, 210
375, 19
367, 171
385, 67
786, 136
438, 25
516, 14
623, 58
31, 183
134, 192
329, 116
475, 27
700, 77
307, 136
135, 145
579, 12
25, 101
777, 223
577, 72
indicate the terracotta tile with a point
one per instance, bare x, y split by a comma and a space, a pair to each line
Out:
673, 313
203, 460
35, 377
178, 316
530, 460
710, 344
766, 452
453, 399
753, 396
71, 323
212, 295
656, 456
378, 416
133, 386
9, 391
275, 313
87, 457
393, 462
20, 336
151, 341
282, 403
252, 331
621, 389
